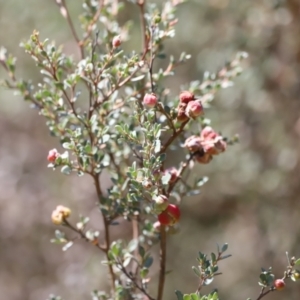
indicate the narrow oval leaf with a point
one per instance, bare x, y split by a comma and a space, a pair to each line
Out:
66, 170
67, 246
132, 245
196, 271
194, 297
224, 247
138, 78
179, 295
208, 281
297, 262
148, 262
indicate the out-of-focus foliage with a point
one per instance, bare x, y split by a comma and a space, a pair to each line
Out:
252, 198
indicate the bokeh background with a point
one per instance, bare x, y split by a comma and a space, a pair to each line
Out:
252, 199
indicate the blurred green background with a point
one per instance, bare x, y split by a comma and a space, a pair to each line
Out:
252, 198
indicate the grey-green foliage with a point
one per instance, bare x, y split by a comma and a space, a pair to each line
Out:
93, 105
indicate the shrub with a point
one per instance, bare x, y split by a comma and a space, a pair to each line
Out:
112, 113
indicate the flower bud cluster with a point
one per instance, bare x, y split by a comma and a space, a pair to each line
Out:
189, 107
205, 146
59, 214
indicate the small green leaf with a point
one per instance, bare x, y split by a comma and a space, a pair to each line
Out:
263, 278
157, 146
68, 146
196, 271
166, 178
162, 157
66, 170
115, 249
225, 256
213, 257
297, 262
67, 246
201, 181
270, 279
127, 261
148, 262
179, 295
141, 251
59, 85
193, 193
161, 55
208, 281
119, 128
132, 245
144, 272
138, 78
105, 138
194, 296
215, 296
59, 234
224, 247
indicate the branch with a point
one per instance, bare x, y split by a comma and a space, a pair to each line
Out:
161, 109
91, 25
141, 5
106, 230
173, 137
82, 235
205, 276
89, 85
141, 288
65, 13
152, 56
264, 293
180, 171
26, 95
135, 234
10, 74
118, 85
163, 254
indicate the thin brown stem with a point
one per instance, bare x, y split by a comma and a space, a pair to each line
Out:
10, 74
52, 69
65, 13
117, 167
92, 23
91, 94
106, 230
129, 276
173, 137
26, 94
205, 276
184, 165
119, 85
82, 235
135, 235
264, 293
163, 256
161, 109
141, 5
152, 56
